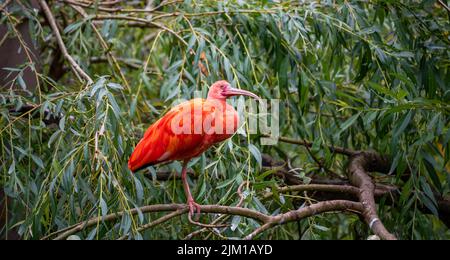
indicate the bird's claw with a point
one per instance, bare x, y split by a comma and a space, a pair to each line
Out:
193, 207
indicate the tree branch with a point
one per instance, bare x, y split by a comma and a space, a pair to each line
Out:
158, 221
301, 213
33, 111
75, 67
142, 21
294, 215
104, 44
357, 171
222, 217
364, 190
444, 5
334, 149
388, 192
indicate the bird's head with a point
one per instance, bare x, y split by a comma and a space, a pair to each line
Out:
222, 90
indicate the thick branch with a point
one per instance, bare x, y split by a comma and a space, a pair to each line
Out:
301, 213
159, 221
357, 171
388, 193
348, 192
162, 208
290, 216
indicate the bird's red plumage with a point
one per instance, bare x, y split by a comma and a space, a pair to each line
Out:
161, 143
188, 130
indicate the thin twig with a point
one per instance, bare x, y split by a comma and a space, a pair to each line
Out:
203, 14
120, 9
318, 162
222, 217
5, 5
142, 21
114, 2
214, 224
334, 149
158, 221
444, 5
86, 5
104, 45
75, 67
315, 187
205, 225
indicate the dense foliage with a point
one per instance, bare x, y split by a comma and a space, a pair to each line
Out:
367, 75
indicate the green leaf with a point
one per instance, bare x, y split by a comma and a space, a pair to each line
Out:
431, 165
427, 189
115, 86
92, 234
260, 206
103, 206
227, 66
72, 27
73, 237
12, 167
429, 204
256, 153
133, 106
235, 221
349, 122
139, 190
283, 72
406, 119
22, 83
405, 54
114, 105
53, 138
321, 228
38, 161
62, 123
315, 148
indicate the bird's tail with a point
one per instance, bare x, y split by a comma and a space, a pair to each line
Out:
136, 161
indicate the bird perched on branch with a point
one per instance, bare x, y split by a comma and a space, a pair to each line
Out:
187, 130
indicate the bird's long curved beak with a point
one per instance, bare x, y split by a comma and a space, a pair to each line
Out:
230, 91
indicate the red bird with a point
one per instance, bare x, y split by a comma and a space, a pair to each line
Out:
187, 130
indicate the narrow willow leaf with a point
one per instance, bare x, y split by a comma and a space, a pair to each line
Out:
103, 207
256, 153
115, 86
38, 161
404, 123
349, 122
235, 221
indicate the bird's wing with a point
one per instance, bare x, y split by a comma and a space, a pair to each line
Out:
173, 137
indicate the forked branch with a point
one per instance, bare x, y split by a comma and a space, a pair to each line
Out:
267, 221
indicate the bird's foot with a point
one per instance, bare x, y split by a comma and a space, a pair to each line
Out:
193, 207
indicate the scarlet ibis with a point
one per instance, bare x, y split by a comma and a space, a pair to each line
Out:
187, 130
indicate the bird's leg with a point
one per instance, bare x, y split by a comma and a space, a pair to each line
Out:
193, 206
